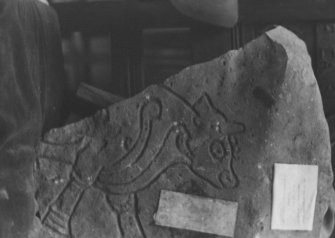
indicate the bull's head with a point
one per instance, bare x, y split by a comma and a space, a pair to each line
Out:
213, 145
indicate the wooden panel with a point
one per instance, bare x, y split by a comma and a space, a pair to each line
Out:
107, 14
274, 11
126, 70
326, 65
165, 52
209, 43
325, 47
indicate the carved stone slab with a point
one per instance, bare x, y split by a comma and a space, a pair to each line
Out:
213, 130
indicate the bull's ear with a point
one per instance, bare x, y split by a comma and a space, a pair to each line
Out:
203, 104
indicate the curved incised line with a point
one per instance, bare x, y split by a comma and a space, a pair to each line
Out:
78, 139
231, 170
137, 185
135, 162
136, 174
58, 149
158, 165
145, 122
143, 163
234, 175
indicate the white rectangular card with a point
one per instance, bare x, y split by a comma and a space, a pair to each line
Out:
196, 213
294, 196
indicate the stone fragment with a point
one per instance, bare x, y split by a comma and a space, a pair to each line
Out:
214, 130
96, 96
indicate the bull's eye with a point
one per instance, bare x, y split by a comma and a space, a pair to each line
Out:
217, 150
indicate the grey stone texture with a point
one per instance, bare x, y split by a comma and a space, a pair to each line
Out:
213, 130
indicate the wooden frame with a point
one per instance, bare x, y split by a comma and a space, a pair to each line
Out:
109, 14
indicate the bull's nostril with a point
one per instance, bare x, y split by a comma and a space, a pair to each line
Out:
328, 220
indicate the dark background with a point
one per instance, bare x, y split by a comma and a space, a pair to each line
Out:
123, 46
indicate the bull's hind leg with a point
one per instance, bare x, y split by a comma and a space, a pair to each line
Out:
129, 224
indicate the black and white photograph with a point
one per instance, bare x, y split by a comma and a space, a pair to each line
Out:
167, 118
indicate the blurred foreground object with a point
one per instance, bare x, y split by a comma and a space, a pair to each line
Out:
31, 77
111, 14
44, 1
216, 12
137, 14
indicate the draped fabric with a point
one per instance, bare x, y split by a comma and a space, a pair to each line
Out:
31, 77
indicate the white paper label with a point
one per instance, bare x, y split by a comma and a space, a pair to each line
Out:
294, 196
196, 213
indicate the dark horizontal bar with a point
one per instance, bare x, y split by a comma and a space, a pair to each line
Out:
110, 14
278, 11
106, 15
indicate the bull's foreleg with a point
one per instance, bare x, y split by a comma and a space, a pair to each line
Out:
59, 213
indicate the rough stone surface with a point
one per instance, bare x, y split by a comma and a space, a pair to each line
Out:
214, 130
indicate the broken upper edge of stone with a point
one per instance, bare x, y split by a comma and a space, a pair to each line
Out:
294, 46
297, 56
285, 37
